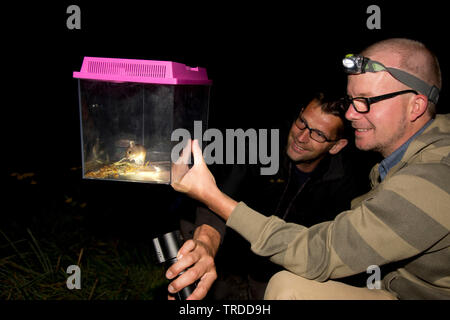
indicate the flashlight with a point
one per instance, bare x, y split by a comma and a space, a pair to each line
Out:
166, 248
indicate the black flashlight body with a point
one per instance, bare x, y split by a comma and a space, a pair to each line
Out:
166, 248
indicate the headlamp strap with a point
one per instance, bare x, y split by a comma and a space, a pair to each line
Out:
373, 66
432, 92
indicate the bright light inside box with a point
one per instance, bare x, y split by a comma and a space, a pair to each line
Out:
149, 173
129, 171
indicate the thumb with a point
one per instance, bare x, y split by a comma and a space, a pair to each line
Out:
197, 152
185, 153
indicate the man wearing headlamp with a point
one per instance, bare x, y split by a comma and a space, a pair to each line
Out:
401, 225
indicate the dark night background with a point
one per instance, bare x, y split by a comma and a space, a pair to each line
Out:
265, 60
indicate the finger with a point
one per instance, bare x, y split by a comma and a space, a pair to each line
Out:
182, 264
198, 294
180, 168
179, 266
197, 151
187, 278
185, 153
187, 247
203, 286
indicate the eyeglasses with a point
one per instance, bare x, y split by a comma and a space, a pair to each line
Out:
315, 134
362, 104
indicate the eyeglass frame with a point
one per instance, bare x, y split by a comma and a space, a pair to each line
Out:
370, 100
311, 129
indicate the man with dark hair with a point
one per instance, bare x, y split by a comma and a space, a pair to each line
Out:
315, 182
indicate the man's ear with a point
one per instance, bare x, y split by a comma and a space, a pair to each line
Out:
418, 107
338, 146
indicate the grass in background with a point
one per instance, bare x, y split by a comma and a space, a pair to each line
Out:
44, 231
36, 270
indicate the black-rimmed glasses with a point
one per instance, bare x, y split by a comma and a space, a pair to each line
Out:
362, 104
314, 134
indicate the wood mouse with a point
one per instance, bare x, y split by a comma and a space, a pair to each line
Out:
136, 152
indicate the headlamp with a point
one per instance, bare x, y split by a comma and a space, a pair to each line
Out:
353, 64
357, 64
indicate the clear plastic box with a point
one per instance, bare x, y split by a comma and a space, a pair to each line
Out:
128, 111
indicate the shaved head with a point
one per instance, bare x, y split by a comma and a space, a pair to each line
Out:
411, 56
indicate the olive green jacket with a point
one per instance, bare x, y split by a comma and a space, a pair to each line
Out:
402, 224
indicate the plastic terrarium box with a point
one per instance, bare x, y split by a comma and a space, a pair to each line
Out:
128, 111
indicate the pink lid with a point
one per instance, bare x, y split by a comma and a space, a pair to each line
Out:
141, 71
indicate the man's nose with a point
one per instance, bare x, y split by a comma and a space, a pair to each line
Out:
352, 114
303, 136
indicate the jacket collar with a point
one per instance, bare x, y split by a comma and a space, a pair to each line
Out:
439, 129
394, 158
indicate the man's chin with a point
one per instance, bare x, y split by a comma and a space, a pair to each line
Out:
363, 145
300, 158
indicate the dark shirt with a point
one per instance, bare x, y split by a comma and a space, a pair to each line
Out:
295, 185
